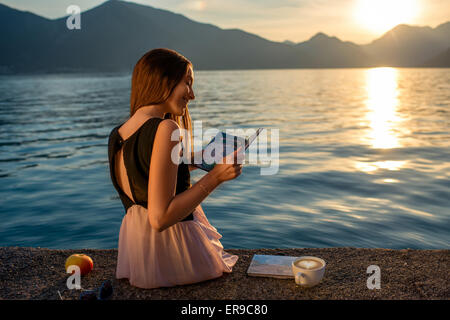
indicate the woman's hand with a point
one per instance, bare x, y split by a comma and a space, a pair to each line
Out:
191, 167
229, 168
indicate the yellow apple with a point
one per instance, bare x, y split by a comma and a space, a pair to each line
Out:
83, 261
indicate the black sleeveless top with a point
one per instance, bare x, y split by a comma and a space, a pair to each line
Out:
137, 152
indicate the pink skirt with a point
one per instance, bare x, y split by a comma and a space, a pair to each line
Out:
187, 252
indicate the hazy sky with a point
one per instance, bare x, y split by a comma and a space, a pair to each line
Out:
359, 21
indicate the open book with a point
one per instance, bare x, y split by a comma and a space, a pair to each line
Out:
227, 143
271, 266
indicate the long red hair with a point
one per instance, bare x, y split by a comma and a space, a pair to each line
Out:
155, 76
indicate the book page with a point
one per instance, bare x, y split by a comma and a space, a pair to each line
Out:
271, 266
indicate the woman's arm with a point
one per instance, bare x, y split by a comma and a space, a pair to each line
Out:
164, 207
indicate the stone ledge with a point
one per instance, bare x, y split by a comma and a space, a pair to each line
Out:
38, 273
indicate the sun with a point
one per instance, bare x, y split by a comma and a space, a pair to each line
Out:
381, 15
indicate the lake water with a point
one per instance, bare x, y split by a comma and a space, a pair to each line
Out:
363, 158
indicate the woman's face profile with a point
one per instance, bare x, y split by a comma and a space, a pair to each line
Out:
182, 94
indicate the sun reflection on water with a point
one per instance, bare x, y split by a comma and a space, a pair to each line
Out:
382, 105
382, 116
373, 166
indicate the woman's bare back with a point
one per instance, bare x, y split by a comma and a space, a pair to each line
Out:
125, 131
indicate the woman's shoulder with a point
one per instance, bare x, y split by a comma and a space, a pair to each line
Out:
166, 133
133, 125
168, 125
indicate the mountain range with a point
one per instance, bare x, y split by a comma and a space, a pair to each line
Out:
115, 34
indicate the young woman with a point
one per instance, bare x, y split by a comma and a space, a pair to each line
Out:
165, 238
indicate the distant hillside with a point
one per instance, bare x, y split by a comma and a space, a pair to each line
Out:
442, 60
409, 46
330, 52
116, 33
22, 36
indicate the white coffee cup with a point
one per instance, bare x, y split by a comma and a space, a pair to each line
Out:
308, 271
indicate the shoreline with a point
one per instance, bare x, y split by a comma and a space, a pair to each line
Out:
129, 71
406, 274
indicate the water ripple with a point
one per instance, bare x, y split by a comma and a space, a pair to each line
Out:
363, 158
